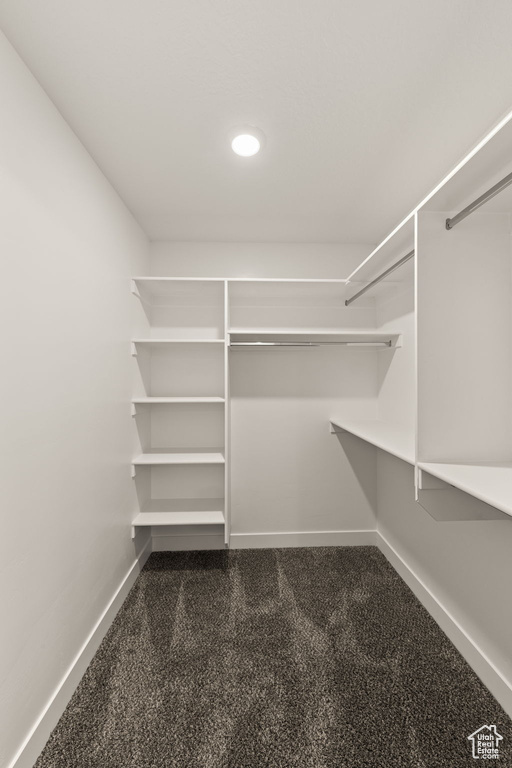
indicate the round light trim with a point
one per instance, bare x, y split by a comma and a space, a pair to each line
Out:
246, 145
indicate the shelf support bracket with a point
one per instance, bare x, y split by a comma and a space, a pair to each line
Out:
335, 430
134, 470
134, 409
134, 349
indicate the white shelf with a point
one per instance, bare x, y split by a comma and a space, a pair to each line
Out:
489, 482
178, 400
392, 438
154, 280
177, 341
181, 512
160, 456
366, 336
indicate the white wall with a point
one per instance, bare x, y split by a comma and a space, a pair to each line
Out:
68, 249
464, 565
308, 260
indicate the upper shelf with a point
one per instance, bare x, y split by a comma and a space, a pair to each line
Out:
366, 337
159, 342
489, 482
184, 292
176, 400
392, 438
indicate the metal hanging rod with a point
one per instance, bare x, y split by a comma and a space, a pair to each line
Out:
380, 277
310, 343
450, 223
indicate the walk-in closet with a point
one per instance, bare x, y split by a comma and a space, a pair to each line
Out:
257, 312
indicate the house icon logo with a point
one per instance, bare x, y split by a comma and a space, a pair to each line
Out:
486, 743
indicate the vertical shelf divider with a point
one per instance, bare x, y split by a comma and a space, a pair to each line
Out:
227, 414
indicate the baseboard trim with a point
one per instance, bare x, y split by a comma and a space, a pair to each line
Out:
40, 732
302, 539
488, 673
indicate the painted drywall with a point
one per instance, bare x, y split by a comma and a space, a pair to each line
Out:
465, 565
278, 260
397, 368
69, 247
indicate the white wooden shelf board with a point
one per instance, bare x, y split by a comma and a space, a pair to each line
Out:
177, 341
157, 512
177, 400
313, 334
182, 456
395, 439
489, 482
178, 518
155, 279
288, 280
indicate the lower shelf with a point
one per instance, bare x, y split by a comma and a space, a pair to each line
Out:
489, 482
161, 512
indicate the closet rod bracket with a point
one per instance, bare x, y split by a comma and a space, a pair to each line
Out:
334, 429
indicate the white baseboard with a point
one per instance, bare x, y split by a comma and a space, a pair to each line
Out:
302, 539
40, 732
488, 673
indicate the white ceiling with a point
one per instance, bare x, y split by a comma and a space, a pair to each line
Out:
366, 104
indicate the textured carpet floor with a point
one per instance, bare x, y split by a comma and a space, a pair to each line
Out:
318, 658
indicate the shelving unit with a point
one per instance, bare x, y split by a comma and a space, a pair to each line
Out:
181, 413
465, 334
395, 439
490, 483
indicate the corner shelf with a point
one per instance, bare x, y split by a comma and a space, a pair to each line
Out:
395, 439
488, 482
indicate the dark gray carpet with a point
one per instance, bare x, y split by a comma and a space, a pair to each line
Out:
311, 658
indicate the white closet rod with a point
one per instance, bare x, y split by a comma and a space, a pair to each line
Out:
310, 343
450, 223
380, 277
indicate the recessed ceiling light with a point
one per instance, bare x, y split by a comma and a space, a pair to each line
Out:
245, 145
247, 141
